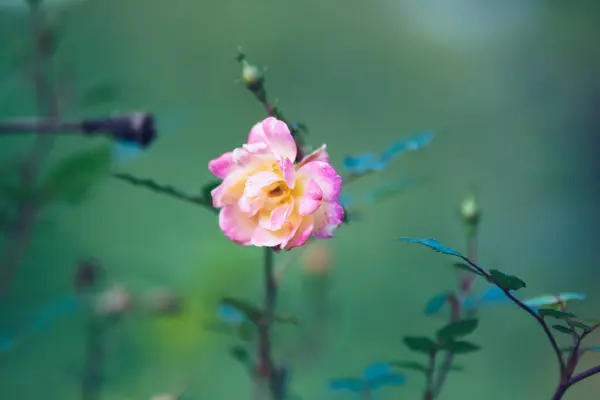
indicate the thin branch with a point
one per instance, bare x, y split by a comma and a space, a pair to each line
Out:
528, 310
165, 190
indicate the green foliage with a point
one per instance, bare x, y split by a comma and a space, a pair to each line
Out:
563, 329
73, 176
420, 344
252, 312
506, 282
457, 329
580, 325
241, 355
460, 347
412, 365
548, 312
465, 267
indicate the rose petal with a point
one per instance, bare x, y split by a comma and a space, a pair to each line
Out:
288, 171
265, 238
301, 234
310, 200
325, 176
251, 205
275, 219
319, 154
328, 217
222, 166
230, 190
259, 181
276, 135
236, 225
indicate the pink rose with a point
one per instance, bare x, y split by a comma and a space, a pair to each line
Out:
266, 200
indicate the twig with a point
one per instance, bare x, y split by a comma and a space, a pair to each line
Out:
540, 320
28, 209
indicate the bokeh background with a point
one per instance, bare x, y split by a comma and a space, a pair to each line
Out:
511, 87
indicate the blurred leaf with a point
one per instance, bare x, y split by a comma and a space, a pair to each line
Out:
240, 354
72, 177
466, 267
252, 312
436, 303
548, 300
17, 193
595, 348
563, 329
432, 244
460, 347
354, 385
508, 282
412, 365
101, 94
420, 344
207, 189
386, 380
580, 325
458, 329
376, 370
547, 312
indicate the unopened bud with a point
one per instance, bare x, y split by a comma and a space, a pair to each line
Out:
470, 213
252, 77
114, 302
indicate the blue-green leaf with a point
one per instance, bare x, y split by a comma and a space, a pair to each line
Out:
432, 244
436, 303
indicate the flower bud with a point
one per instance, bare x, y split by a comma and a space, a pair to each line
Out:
114, 302
252, 77
470, 213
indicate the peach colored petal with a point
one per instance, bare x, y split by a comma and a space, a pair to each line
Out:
222, 166
328, 217
251, 205
276, 135
256, 183
301, 234
230, 190
265, 238
325, 176
275, 219
310, 200
288, 171
319, 154
236, 225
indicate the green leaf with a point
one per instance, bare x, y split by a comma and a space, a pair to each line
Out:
412, 365
508, 282
458, 329
207, 189
251, 312
420, 344
548, 312
563, 329
101, 94
72, 177
240, 354
460, 347
465, 267
580, 325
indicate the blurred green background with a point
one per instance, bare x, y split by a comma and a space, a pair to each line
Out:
511, 88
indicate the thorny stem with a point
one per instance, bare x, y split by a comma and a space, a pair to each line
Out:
47, 105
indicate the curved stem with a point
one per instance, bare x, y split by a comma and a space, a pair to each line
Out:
528, 310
